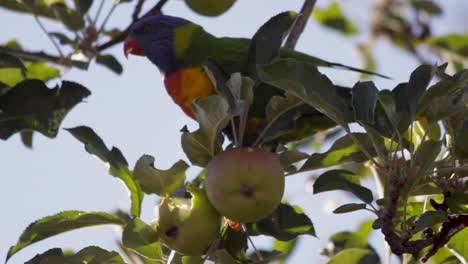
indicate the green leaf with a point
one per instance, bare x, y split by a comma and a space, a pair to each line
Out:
241, 88
27, 138
266, 43
31, 105
304, 81
212, 114
62, 222
358, 239
62, 38
143, 239
460, 141
39, 257
342, 180
83, 5
430, 218
286, 248
281, 114
220, 78
351, 207
34, 70
364, 101
118, 165
234, 242
289, 157
343, 150
349, 256
458, 244
426, 154
160, 182
10, 61
458, 202
89, 255
286, 223
428, 6
407, 96
457, 43
39, 7
72, 19
400, 120
110, 62
333, 18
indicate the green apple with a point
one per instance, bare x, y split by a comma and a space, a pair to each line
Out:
188, 226
210, 7
245, 184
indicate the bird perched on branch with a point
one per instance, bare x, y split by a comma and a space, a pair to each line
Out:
178, 48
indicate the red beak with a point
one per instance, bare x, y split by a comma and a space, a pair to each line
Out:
131, 46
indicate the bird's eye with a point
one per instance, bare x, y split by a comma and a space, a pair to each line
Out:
147, 28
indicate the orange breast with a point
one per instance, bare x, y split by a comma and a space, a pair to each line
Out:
187, 85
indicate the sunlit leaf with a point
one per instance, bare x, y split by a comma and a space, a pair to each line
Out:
160, 182
457, 43
343, 150
62, 222
143, 239
118, 165
332, 17
349, 256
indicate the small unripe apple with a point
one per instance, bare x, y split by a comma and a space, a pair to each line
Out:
210, 7
245, 184
188, 226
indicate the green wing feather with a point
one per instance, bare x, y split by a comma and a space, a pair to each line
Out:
232, 53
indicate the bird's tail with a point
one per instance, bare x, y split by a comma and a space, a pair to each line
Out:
342, 66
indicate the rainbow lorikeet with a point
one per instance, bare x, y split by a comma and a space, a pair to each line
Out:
178, 48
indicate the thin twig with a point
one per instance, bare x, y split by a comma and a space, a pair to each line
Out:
259, 255
107, 17
137, 10
38, 21
300, 23
155, 10
98, 13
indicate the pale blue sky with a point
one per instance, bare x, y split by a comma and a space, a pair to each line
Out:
134, 113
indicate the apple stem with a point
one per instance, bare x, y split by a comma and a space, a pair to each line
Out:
234, 132
259, 255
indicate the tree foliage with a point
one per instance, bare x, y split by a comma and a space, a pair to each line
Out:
414, 136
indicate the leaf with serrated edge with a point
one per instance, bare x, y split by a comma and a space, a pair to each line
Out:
118, 165
342, 180
304, 81
212, 114
160, 182
91, 255
142, 238
62, 222
31, 105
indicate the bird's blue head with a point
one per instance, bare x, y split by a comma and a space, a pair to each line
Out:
153, 37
